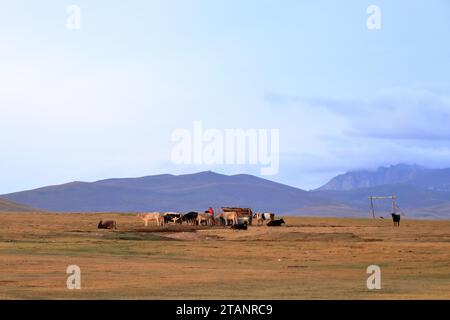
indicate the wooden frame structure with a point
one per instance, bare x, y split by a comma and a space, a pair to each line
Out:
372, 208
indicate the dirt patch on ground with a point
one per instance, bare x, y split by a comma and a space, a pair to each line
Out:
310, 258
187, 236
327, 237
136, 236
278, 234
171, 228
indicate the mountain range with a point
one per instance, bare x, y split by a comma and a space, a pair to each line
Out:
412, 175
422, 193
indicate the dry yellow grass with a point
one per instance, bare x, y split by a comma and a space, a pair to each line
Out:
311, 258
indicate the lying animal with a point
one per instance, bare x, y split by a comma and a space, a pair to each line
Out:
110, 224
275, 223
396, 219
239, 226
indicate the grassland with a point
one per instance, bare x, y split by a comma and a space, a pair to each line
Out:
310, 258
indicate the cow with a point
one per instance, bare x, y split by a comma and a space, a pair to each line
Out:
396, 219
172, 217
261, 216
110, 224
275, 223
230, 218
190, 217
239, 226
150, 216
205, 218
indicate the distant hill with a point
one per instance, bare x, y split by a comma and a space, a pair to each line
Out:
331, 210
411, 175
10, 206
409, 197
421, 193
168, 193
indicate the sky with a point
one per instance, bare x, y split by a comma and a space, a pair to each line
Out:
104, 100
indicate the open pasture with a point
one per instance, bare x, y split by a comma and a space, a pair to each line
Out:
309, 258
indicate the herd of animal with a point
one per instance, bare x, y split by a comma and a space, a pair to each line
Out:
200, 219
208, 219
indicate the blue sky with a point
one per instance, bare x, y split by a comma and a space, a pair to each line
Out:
102, 101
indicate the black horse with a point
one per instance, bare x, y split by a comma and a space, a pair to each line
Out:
396, 219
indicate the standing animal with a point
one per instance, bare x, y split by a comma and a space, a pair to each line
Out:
150, 216
275, 223
167, 219
396, 219
230, 218
220, 220
205, 218
172, 217
190, 217
110, 224
262, 216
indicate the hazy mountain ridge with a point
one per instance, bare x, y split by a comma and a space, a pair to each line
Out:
421, 193
414, 175
166, 193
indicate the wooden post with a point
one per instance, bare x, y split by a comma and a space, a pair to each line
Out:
394, 205
372, 208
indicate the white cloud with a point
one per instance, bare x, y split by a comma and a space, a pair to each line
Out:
396, 126
394, 114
